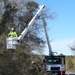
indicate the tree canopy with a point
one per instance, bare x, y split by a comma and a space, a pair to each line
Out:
18, 14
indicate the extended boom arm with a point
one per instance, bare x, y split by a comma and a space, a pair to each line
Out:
30, 23
49, 46
12, 42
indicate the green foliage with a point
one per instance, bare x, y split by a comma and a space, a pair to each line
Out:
16, 62
13, 63
60, 54
69, 62
31, 6
6, 18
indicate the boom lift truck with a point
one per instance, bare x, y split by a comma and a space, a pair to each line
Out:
53, 64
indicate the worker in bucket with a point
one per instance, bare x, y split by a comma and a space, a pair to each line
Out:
12, 33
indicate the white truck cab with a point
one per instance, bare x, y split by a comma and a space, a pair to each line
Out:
55, 64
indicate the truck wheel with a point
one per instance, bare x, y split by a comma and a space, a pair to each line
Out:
63, 73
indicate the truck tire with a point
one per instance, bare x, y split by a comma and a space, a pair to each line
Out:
63, 73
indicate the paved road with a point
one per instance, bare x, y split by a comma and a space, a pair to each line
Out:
69, 74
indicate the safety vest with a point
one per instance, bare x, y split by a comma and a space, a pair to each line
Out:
12, 34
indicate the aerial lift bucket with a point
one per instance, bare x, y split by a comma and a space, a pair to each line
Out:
11, 42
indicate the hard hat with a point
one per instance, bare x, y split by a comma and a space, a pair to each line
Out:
12, 29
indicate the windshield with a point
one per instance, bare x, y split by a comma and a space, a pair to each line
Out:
54, 61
